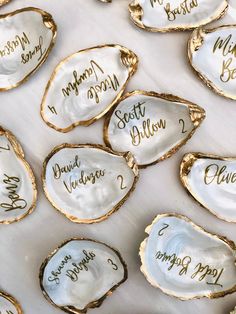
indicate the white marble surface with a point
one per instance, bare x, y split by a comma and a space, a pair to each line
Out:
163, 68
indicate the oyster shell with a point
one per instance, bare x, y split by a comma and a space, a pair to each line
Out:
211, 180
8, 305
17, 182
172, 15
87, 183
186, 261
80, 274
27, 37
151, 126
85, 85
212, 54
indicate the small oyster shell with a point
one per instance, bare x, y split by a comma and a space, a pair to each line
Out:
27, 37
8, 305
211, 181
234, 311
17, 182
151, 126
87, 183
80, 274
212, 54
172, 15
85, 85
186, 261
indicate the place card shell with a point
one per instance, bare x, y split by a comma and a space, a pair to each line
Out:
166, 15
97, 184
18, 192
212, 55
92, 270
151, 126
8, 304
186, 261
211, 181
86, 85
27, 37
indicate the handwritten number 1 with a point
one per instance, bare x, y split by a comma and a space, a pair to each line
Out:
181, 121
114, 266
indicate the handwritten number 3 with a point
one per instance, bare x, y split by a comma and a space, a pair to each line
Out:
122, 185
114, 266
181, 121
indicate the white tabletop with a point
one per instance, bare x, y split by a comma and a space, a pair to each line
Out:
163, 68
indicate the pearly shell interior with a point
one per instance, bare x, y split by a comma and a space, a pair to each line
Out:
8, 305
87, 183
211, 180
27, 37
85, 85
169, 15
187, 262
17, 182
80, 274
212, 54
151, 126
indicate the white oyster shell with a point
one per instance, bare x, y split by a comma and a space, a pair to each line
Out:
27, 37
212, 54
8, 305
85, 85
169, 15
80, 274
211, 180
187, 262
151, 126
17, 182
87, 183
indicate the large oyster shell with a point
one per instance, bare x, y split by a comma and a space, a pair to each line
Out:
212, 54
186, 261
27, 37
172, 15
17, 182
87, 183
85, 85
9, 305
211, 181
80, 274
151, 126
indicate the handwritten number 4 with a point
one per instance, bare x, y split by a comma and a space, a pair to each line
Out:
52, 109
181, 121
114, 266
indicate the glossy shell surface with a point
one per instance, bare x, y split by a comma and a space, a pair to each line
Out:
84, 86
186, 261
87, 183
8, 304
151, 126
80, 274
211, 180
212, 54
26, 39
17, 182
170, 15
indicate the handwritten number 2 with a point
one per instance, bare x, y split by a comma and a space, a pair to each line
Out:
181, 121
160, 233
114, 266
122, 185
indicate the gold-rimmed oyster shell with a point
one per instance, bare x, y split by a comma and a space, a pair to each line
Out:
9, 305
175, 15
151, 126
212, 55
18, 192
87, 183
85, 86
26, 39
80, 274
186, 261
210, 180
